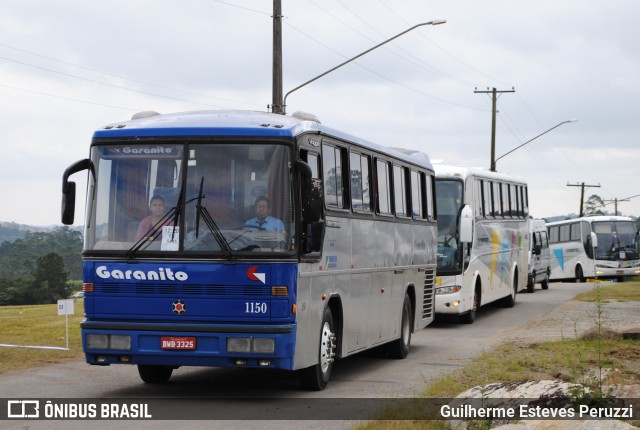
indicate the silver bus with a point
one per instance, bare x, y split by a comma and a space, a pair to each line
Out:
341, 260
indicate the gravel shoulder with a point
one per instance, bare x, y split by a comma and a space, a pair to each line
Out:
573, 318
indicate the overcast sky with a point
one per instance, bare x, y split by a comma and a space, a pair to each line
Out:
70, 67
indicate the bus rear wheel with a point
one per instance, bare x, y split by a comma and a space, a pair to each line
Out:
317, 376
400, 348
154, 374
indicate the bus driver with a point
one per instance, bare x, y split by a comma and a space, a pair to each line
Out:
263, 220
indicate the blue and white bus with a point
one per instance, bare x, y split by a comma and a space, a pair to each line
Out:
594, 246
348, 265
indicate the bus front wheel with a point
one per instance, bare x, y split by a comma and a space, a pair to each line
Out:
317, 376
470, 316
154, 374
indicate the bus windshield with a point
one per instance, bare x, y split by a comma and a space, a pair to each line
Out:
617, 240
225, 198
449, 202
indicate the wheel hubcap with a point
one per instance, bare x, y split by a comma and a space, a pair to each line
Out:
327, 347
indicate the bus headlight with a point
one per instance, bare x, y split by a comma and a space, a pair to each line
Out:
108, 341
238, 344
259, 345
448, 290
263, 345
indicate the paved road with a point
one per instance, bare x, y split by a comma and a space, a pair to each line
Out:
443, 347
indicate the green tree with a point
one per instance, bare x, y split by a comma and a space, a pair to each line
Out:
50, 279
594, 206
15, 292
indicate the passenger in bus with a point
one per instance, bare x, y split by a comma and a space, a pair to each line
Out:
263, 220
156, 206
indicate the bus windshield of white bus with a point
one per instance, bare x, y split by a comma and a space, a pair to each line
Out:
449, 201
225, 198
617, 240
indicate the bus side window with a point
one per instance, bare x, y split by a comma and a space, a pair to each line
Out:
430, 186
360, 182
497, 200
554, 234
478, 201
400, 191
333, 162
488, 199
417, 195
383, 181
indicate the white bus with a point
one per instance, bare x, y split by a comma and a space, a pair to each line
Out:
483, 239
596, 246
344, 262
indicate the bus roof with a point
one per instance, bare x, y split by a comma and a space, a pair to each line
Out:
239, 123
594, 218
462, 172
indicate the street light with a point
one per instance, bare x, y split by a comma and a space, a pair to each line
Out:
434, 22
493, 162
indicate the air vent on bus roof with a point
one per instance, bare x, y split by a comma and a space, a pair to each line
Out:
306, 116
144, 114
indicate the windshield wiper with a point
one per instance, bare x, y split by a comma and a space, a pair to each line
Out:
151, 233
202, 211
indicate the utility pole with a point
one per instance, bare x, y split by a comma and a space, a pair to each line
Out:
582, 186
277, 103
494, 97
615, 201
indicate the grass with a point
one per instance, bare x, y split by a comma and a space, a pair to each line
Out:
622, 292
38, 325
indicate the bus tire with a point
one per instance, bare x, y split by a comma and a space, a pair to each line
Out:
510, 300
545, 283
470, 316
154, 374
400, 348
317, 376
579, 274
531, 283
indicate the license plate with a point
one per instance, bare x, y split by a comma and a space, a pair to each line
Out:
184, 343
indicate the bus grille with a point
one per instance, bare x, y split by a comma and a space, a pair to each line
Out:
427, 300
196, 290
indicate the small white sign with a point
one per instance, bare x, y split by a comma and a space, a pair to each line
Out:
170, 238
65, 307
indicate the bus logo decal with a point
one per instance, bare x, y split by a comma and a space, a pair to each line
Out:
179, 307
256, 276
559, 257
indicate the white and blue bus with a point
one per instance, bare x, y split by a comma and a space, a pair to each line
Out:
483, 239
594, 246
345, 262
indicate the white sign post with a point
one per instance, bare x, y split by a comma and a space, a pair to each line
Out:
65, 307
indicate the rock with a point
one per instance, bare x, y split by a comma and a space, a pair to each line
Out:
534, 396
604, 333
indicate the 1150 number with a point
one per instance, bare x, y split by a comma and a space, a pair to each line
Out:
255, 308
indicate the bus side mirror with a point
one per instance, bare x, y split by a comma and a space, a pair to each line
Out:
68, 203
311, 192
594, 240
537, 249
69, 190
466, 224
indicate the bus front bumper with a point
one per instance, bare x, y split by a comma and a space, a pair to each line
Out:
255, 346
450, 302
